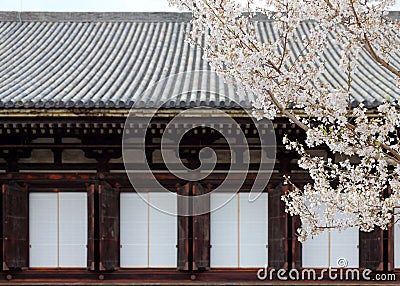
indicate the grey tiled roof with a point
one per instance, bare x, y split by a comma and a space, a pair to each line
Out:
109, 60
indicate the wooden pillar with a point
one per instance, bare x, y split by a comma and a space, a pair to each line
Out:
372, 249
15, 226
57, 153
389, 242
109, 246
295, 256
193, 231
12, 161
103, 162
377, 247
183, 228
92, 227
201, 232
278, 247
285, 251
103, 227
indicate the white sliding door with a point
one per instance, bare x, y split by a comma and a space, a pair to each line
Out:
134, 231
315, 252
239, 231
58, 229
73, 229
253, 231
224, 231
148, 235
328, 247
344, 245
163, 233
43, 230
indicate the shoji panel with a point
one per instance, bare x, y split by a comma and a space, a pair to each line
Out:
134, 231
316, 251
253, 231
72, 229
344, 244
43, 230
163, 232
224, 231
396, 229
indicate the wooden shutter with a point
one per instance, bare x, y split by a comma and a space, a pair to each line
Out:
390, 247
91, 261
296, 246
15, 227
372, 249
201, 233
389, 238
277, 229
183, 228
108, 227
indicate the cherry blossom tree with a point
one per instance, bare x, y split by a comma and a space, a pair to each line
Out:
349, 193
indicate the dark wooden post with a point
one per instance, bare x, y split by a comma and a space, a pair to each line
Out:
15, 226
193, 231
296, 246
285, 249
109, 245
11, 158
183, 227
389, 241
91, 249
377, 247
372, 249
277, 229
201, 232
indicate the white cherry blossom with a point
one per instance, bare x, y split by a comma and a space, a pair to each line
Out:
362, 189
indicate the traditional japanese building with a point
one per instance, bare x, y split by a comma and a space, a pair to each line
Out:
69, 210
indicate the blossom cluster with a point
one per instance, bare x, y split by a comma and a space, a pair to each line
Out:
363, 188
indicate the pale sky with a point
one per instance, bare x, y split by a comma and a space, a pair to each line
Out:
93, 5
86, 5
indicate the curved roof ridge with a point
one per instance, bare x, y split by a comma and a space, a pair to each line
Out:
33, 16
95, 16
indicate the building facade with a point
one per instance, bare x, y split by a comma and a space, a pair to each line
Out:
69, 210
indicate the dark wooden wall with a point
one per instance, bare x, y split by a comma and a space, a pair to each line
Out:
99, 140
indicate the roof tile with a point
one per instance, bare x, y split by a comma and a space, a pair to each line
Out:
112, 60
